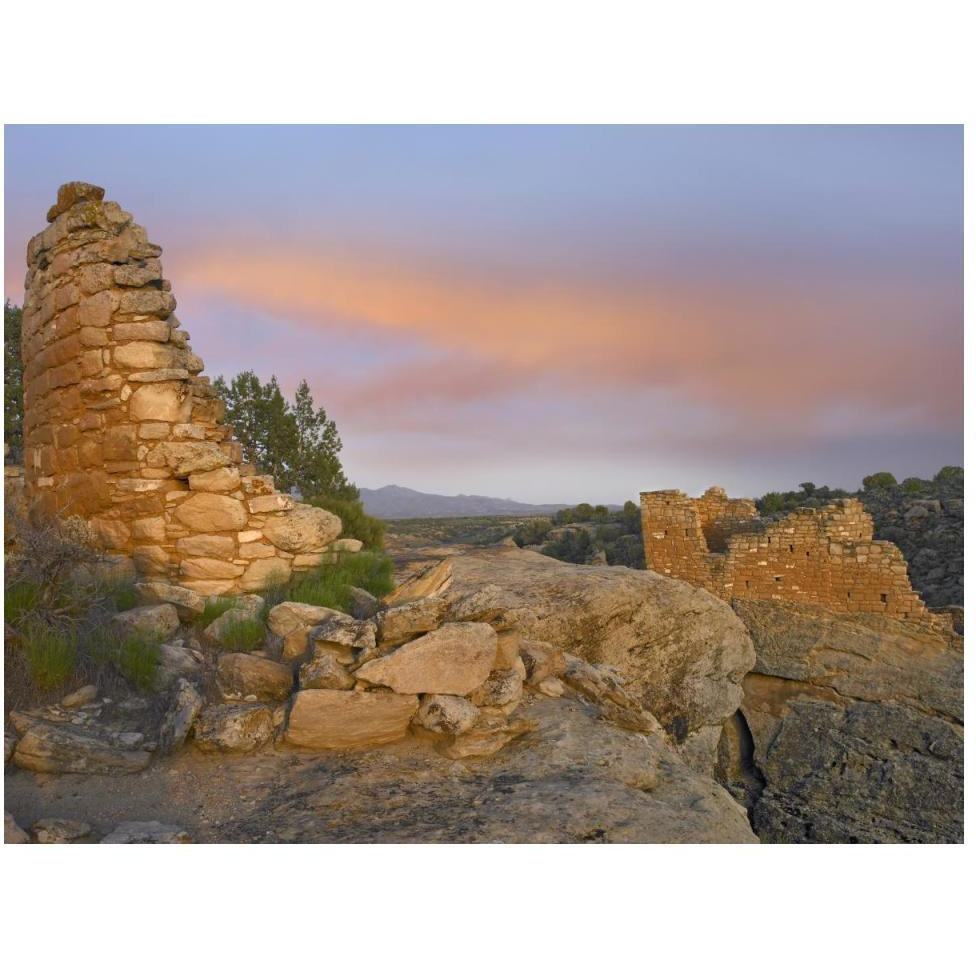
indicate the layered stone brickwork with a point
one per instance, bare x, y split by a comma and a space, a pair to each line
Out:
824, 556
121, 427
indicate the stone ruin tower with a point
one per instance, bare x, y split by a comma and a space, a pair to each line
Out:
122, 430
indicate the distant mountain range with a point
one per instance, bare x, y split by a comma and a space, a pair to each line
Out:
395, 502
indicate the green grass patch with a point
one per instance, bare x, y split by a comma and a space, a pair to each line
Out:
328, 586
50, 654
214, 608
137, 657
20, 598
246, 634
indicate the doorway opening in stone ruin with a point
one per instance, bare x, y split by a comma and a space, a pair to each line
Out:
884, 597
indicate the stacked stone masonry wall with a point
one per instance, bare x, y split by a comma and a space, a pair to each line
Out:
825, 556
122, 429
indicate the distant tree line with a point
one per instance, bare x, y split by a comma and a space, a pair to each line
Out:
783, 502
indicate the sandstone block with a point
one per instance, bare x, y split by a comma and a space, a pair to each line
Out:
453, 660
209, 512
293, 621
270, 503
324, 671
325, 719
500, 688
149, 529
244, 677
265, 572
151, 331
446, 714
220, 479
200, 567
46, 747
485, 739
169, 402
211, 546
233, 728
396, 625
75, 192
160, 621
52, 830
302, 530
109, 533
184, 709
187, 457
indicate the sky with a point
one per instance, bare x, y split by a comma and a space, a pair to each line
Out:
559, 314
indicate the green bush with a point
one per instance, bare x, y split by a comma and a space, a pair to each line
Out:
949, 473
879, 481
772, 503
356, 524
532, 533
914, 486
574, 546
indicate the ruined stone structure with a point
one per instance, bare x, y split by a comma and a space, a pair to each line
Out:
825, 556
121, 428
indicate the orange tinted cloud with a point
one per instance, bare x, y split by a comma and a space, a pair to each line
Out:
779, 348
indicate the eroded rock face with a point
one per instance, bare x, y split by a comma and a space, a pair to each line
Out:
682, 651
856, 723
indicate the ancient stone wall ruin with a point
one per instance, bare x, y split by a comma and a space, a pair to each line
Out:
122, 429
824, 556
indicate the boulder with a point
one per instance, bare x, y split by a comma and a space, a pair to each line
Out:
684, 651
453, 660
175, 661
233, 728
446, 714
293, 621
428, 582
183, 710
552, 687
146, 832
324, 719
219, 628
400, 623
51, 830
363, 604
486, 738
540, 660
83, 696
189, 605
244, 677
304, 529
12, 833
851, 728
499, 688
48, 747
324, 671
345, 637
160, 621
